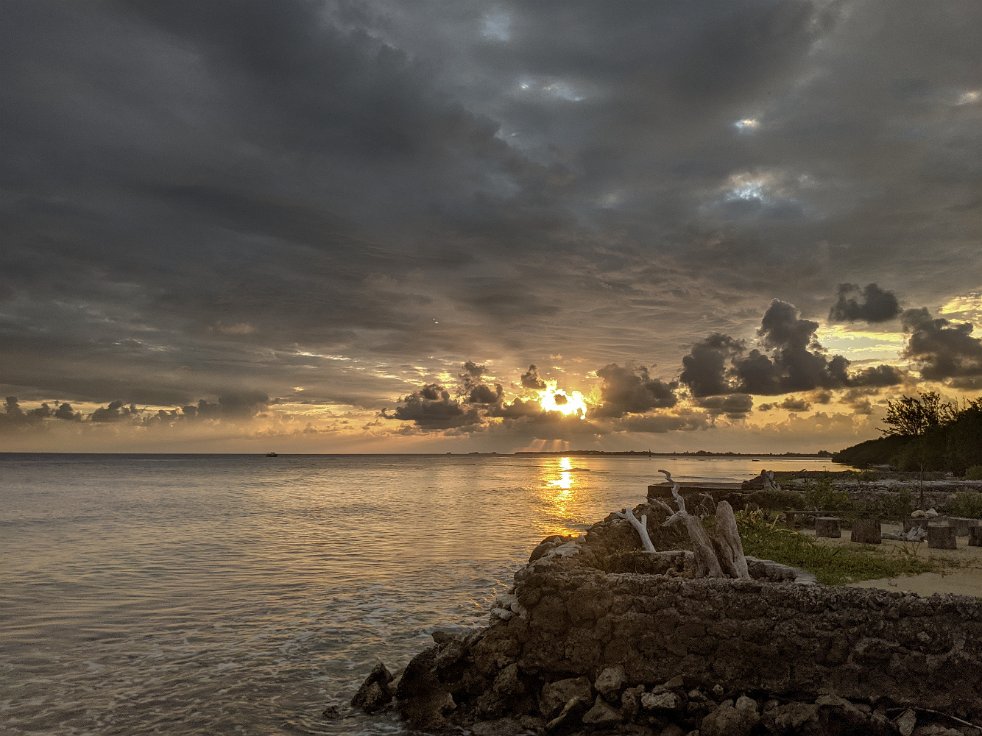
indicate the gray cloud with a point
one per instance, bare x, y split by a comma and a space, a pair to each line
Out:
791, 359
867, 304
941, 349
532, 380
116, 411
705, 367
734, 406
791, 403
432, 408
345, 197
631, 390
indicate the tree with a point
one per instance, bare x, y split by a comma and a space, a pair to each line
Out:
911, 416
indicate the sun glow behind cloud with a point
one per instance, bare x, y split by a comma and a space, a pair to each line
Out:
567, 403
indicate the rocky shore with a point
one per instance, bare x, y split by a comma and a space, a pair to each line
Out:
598, 636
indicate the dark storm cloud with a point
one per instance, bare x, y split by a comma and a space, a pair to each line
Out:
65, 412
196, 194
791, 403
631, 390
484, 394
941, 349
867, 304
734, 406
791, 359
116, 411
432, 408
705, 367
876, 376
531, 379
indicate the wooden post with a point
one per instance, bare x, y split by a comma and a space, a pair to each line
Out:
866, 531
827, 526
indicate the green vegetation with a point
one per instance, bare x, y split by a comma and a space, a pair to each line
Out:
974, 473
821, 495
779, 500
765, 538
924, 433
967, 505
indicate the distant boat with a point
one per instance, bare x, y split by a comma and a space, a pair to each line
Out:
271, 454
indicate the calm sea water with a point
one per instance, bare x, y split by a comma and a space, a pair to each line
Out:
243, 594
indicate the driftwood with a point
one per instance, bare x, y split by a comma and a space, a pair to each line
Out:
641, 526
716, 557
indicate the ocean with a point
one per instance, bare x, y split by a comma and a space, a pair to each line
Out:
214, 594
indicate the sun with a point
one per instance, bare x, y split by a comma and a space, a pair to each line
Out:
567, 403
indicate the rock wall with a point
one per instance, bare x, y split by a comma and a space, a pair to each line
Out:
596, 636
781, 639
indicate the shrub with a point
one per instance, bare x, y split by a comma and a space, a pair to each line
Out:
967, 504
823, 496
777, 500
974, 473
893, 506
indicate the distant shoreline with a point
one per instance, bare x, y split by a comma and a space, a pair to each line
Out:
520, 453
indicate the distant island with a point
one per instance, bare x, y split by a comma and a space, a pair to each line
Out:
650, 453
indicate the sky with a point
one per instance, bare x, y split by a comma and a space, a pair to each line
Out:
484, 226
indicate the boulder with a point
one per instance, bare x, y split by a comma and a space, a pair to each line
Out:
731, 719
662, 701
610, 682
555, 696
906, 722
601, 714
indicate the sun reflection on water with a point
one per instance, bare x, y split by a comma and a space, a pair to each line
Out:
558, 484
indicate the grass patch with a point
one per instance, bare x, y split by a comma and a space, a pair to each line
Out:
967, 504
764, 538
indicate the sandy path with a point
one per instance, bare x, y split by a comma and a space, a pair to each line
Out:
963, 577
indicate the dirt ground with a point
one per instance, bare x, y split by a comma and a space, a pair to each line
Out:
962, 573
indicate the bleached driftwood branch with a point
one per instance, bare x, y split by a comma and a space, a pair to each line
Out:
640, 525
729, 547
720, 556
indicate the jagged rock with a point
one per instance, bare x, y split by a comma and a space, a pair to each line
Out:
662, 701
610, 681
601, 714
331, 713
424, 701
444, 634
555, 696
547, 544
907, 722
731, 719
374, 693
676, 683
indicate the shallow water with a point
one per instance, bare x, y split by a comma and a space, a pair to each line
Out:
243, 594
